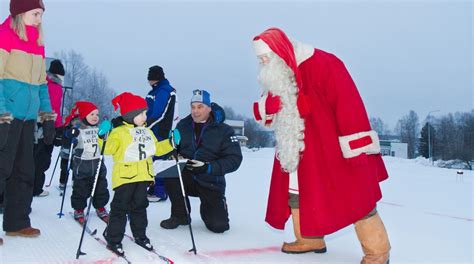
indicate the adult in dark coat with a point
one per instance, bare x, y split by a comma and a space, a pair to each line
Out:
213, 151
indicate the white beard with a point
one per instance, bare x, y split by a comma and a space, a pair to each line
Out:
276, 77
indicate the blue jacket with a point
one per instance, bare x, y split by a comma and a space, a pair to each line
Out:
161, 107
217, 145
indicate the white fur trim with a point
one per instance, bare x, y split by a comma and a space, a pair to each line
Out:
302, 51
293, 188
261, 109
261, 47
373, 148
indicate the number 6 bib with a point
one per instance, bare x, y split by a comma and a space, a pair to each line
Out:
142, 146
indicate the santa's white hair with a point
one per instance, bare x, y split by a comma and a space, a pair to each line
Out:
276, 77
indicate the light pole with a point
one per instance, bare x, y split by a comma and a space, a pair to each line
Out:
430, 151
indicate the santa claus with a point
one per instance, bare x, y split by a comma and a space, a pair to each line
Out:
327, 165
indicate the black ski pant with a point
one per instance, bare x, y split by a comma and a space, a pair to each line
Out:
82, 190
42, 158
64, 172
128, 199
17, 174
213, 202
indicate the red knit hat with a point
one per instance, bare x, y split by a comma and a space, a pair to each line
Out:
21, 6
81, 109
129, 102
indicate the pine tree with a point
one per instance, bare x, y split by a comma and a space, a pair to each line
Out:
425, 140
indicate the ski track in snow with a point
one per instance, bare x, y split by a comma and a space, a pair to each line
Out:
428, 213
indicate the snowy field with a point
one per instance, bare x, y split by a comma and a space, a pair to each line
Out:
428, 213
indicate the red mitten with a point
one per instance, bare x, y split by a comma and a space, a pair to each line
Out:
272, 104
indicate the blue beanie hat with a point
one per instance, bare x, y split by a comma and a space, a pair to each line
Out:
201, 96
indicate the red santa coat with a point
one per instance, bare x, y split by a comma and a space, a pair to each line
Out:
338, 174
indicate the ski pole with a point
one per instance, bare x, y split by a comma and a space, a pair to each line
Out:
67, 175
96, 177
54, 170
188, 215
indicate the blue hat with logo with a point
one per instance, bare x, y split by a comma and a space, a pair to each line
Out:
201, 96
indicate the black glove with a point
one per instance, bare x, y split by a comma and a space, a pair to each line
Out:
118, 121
197, 167
4, 128
58, 139
49, 132
72, 133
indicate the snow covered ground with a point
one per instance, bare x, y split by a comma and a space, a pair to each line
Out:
428, 213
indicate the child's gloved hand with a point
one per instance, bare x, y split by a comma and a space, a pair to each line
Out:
72, 133
104, 128
175, 137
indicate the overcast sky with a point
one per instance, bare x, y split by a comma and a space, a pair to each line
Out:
403, 55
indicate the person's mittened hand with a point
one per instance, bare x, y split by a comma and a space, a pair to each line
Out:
49, 132
75, 132
174, 137
72, 133
272, 104
104, 128
196, 166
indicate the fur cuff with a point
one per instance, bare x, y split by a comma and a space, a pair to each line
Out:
363, 142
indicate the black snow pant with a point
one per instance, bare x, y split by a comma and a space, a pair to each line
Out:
42, 158
64, 172
17, 174
83, 184
213, 202
131, 199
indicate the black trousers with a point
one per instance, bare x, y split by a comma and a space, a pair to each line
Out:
42, 158
128, 199
64, 172
213, 203
82, 190
17, 174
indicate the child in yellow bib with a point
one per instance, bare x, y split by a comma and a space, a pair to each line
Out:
132, 146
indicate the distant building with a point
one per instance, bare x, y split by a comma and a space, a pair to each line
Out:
394, 148
238, 126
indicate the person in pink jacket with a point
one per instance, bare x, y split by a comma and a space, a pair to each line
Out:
23, 97
43, 149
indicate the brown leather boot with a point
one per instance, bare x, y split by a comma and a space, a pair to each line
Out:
374, 240
302, 244
25, 232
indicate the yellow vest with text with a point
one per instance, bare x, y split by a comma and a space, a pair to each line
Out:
132, 149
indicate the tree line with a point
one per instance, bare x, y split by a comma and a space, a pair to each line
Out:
447, 137
84, 83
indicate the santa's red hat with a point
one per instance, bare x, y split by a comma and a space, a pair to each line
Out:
130, 105
81, 109
274, 39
